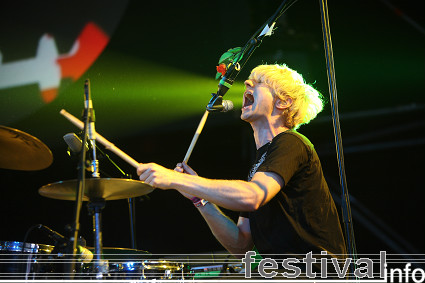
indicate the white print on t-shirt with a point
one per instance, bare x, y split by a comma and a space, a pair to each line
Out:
256, 165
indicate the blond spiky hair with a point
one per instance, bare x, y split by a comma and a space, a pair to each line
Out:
285, 82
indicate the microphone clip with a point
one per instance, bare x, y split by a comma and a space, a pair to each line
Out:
217, 104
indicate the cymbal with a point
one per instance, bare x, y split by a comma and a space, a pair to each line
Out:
112, 253
21, 151
96, 188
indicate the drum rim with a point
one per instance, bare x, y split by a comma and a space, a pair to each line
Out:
16, 246
162, 264
146, 265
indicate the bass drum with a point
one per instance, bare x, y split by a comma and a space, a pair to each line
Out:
29, 262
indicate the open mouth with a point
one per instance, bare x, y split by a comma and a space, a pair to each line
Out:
248, 100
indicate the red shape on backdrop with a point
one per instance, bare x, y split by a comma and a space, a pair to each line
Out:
48, 95
89, 44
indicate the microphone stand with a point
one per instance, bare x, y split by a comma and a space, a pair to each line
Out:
96, 205
196, 136
132, 213
240, 59
70, 267
235, 67
100, 154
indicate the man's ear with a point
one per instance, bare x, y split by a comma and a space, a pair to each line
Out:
283, 104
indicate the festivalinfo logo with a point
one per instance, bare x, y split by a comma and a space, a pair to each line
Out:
367, 269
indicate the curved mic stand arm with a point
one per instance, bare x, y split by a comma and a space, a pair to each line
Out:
238, 63
235, 67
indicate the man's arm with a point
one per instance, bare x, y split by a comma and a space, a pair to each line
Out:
236, 238
231, 194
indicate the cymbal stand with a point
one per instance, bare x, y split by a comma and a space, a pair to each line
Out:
131, 206
132, 213
95, 162
95, 207
110, 146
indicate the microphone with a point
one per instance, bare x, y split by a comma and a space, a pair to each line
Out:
88, 105
91, 132
227, 105
217, 104
83, 253
74, 143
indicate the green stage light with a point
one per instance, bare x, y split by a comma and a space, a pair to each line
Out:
131, 96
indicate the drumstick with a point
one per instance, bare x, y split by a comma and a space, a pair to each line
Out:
108, 145
196, 136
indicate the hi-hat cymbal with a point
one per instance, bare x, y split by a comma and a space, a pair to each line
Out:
21, 151
96, 188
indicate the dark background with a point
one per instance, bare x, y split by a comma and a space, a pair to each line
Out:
379, 63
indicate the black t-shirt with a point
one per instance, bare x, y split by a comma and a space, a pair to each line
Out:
302, 217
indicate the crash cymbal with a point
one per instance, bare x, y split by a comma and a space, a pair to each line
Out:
96, 188
21, 151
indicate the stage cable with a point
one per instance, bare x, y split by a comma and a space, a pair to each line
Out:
345, 201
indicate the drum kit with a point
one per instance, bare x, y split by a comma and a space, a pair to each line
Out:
22, 260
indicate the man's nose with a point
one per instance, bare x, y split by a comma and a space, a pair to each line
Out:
249, 83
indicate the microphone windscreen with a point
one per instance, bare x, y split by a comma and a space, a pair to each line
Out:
74, 142
227, 105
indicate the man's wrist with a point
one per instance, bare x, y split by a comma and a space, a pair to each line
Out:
198, 202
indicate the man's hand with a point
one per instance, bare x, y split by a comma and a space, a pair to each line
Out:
184, 168
156, 175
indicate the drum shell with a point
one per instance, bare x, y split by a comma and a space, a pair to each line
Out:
31, 262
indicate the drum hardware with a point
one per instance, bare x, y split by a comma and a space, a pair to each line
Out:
97, 188
25, 260
90, 134
95, 209
97, 192
75, 145
21, 151
117, 263
61, 242
132, 214
118, 254
145, 270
